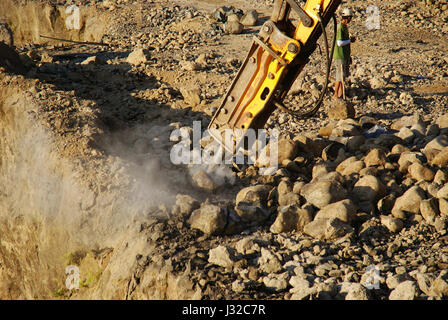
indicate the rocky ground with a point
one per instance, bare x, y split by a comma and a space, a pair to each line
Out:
357, 210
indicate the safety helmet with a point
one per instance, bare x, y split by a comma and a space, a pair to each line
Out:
347, 12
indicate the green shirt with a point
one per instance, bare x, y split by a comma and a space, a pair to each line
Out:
344, 51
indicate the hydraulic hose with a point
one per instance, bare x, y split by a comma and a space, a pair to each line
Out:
329, 58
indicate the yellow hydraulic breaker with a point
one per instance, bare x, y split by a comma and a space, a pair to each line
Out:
277, 56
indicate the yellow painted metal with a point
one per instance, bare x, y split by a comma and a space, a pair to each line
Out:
303, 33
256, 103
249, 101
301, 36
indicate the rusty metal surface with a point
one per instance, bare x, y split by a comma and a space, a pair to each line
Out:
264, 78
10, 60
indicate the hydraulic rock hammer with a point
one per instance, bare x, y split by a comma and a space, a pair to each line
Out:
278, 54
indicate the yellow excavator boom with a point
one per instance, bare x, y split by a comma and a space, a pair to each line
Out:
277, 56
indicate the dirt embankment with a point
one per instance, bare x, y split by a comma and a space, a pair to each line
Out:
55, 212
38, 197
85, 178
32, 19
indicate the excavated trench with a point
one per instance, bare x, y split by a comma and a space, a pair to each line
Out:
50, 220
36, 190
55, 212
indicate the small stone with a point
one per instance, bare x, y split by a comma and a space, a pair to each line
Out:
190, 65
287, 199
233, 27
443, 207
440, 224
406, 290
203, 181
329, 229
301, 289
406, 134
435, 146
268, 262
201, 60
276, 283
336, 228
325, 131
353, 168
409, 201
406, 121
246, 246
375, 157
440, 177
210, 219
298, 185
439, 287
233, 18
305, 216
238, 286
442, 121
344, 210
250, 18
424, 283
440, 158
419, 172
138, 56
393, 224
192, 96
186, 204
394, 280
286, 220
312, 145
284, 187
287, 149
222, 256
353, 291
369, 188
442, 193
93, 60
429, 209
340, 110
251, 203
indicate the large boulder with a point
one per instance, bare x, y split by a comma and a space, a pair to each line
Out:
250, 18
435, 146
344, 210
233, 27
291, 218
6, 34
327, 229
369, 188
222, 256
406, 290
251, 204
210, 219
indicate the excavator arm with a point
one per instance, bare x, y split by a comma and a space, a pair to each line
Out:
277, 56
